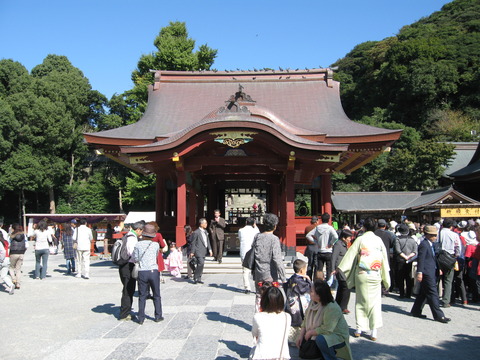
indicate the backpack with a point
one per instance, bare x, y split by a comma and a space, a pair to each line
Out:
297, 301
119, 251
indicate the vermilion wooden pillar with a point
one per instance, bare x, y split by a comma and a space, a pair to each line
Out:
290, 230
327, 194
181, 207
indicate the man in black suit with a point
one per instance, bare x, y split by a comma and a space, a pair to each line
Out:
217, 231
200, 248
427, 272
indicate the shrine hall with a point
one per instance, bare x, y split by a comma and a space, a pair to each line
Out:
207, 135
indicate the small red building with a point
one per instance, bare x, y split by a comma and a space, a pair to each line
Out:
204, 133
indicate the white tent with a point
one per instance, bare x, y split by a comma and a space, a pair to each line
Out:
134, 216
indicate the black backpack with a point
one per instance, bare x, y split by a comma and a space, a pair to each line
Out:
119, 251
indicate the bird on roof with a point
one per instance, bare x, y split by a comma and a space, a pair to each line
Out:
255, 69
234, 78
280, 77
288, 77
279, 68
254, 78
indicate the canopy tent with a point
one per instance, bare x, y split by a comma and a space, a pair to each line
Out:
134, 216
61, 218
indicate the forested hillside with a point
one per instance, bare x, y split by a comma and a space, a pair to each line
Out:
425, 80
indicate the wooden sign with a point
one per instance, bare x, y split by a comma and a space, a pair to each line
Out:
460, 212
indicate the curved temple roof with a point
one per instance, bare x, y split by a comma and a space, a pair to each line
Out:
302, 103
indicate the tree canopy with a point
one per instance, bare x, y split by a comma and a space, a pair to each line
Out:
424, 79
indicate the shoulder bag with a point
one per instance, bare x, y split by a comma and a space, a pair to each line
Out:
136, 267
249, 259
445, 260
309, 350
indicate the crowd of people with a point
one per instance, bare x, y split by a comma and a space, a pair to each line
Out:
438, 264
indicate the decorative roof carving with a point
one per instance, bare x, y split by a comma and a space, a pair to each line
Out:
233, 139
238, 102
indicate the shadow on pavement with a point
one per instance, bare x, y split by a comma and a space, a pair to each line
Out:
461, 346
226, 287
215, 316
395, 309
242, 350
110, 309
103, 263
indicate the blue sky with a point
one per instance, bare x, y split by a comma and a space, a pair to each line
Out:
105, 38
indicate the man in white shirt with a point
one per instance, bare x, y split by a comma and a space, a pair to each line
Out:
450, 242
246, 235
82, 239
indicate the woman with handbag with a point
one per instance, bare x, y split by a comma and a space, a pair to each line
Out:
145, 257
324, 331
270, 327
267, 254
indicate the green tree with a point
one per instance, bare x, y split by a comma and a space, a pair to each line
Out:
139, 191
14, 77
90, 196
452, 125
418, 168
175, 51
44, 115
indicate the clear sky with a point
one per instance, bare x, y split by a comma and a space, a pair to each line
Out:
105, 38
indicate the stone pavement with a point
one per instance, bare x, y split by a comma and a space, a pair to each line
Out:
62, 317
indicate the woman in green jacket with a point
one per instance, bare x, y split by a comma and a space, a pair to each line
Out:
324, 323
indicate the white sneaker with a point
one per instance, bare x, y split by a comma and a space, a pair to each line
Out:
78, 276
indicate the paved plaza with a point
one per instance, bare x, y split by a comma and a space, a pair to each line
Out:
63, 317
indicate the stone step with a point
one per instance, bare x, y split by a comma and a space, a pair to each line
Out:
231, 265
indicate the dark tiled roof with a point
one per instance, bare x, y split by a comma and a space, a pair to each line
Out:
304, 103
472, 169
464, 153
393, 201
373, 201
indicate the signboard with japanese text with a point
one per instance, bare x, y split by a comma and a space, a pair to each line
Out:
460, 212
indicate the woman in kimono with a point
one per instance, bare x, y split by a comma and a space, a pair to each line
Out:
365, 266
